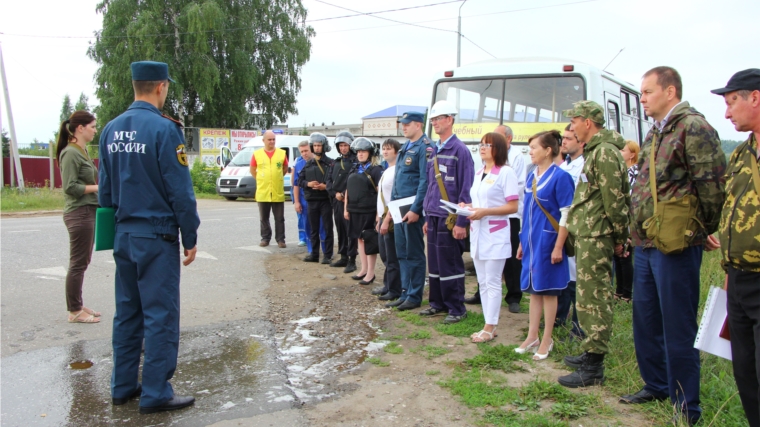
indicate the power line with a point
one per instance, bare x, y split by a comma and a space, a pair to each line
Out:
237, 28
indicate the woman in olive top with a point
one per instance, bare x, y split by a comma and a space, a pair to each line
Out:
81, 200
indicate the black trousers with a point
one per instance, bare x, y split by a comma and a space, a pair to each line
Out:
278, 209
624, 275
346, 245
392, 276
744, 323
320, 209
513, 266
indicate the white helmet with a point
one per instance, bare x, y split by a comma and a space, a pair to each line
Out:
443, 108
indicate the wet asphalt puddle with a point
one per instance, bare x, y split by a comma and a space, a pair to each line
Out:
234, 370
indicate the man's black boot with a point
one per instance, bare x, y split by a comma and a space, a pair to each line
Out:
350, 265
342, 262
591, 372
576, 362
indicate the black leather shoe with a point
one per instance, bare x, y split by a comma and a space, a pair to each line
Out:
408, 305
396, 303
342, 262
514, 307
326, 260
358, 276
432, 312
641, 396
387, 297
124, 400
176, 402
682, 419
311, 259
590, 373
475, 299
378, 290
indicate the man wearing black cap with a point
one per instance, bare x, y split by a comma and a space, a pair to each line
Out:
144, 176
739, 230
411, 180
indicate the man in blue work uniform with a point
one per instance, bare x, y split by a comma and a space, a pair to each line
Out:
144, 176
312, 180
411, 180
446, 244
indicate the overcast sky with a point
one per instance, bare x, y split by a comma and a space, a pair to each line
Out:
361, 65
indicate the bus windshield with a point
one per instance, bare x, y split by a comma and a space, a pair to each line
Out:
526, 104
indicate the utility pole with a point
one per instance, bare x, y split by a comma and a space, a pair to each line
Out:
14, 141
459, 35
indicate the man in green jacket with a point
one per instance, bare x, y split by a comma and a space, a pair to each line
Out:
598, 220
739, 234
689, 164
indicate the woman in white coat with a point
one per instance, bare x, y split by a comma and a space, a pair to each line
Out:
494, 197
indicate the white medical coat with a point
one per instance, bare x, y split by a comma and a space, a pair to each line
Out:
490, 235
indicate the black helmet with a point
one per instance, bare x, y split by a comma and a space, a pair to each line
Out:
319, 138
363, 144
344, 137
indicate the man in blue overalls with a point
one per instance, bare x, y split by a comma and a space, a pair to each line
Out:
144, 176
446, 245
411, 180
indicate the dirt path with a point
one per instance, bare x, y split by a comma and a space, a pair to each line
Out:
328, 327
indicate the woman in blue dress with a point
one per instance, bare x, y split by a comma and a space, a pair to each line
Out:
544, 261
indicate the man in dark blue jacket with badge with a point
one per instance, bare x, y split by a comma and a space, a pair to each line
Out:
144, 176
411, 180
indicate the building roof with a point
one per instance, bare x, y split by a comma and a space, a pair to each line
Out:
396, 111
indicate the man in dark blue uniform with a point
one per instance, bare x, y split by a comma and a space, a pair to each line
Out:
313, 182
411, 180
144, 176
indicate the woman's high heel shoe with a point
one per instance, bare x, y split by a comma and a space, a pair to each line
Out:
539, 356
358, 276
532, 347
367, 282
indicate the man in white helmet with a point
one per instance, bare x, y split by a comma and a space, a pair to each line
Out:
450, 175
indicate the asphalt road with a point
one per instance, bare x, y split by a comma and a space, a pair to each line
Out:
227, 356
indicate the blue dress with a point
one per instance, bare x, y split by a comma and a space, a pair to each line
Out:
555, 190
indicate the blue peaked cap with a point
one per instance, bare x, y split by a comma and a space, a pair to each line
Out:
150, 71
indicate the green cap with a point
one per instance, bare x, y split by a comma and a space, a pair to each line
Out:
588, 110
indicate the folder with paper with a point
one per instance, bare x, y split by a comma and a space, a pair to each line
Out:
456, 209
714, 319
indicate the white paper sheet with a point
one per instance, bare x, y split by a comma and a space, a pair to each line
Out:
394, 208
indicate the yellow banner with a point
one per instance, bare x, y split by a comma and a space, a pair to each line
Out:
211, 141
521, 131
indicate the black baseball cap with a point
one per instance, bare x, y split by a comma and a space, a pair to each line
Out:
748, 79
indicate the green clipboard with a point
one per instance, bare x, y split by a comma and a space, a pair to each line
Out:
105, 228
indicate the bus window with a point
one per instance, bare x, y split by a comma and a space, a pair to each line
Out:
613, 122
478, 101
527, 104
631, 122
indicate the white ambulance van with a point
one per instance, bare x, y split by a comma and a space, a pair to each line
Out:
236, 180
529, 94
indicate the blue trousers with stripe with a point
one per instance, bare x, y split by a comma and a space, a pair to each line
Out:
445, 267
147, 306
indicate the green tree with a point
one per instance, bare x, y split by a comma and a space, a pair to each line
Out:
66, 108
6, 143
728, 146
235, 62
82, 103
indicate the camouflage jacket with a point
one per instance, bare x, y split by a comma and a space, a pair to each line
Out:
688, 160
739, 225
601, 203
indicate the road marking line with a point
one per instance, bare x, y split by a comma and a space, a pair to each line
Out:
201, 254
49, 278
52, 271
255, 249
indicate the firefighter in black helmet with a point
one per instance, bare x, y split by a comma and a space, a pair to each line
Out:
312, 181
336, 186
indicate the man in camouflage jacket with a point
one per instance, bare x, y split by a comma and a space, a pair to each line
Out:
688, 160
598, 220
740, 237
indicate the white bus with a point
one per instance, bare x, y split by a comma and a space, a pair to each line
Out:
529, 94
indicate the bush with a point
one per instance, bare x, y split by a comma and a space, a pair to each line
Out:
204, 179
